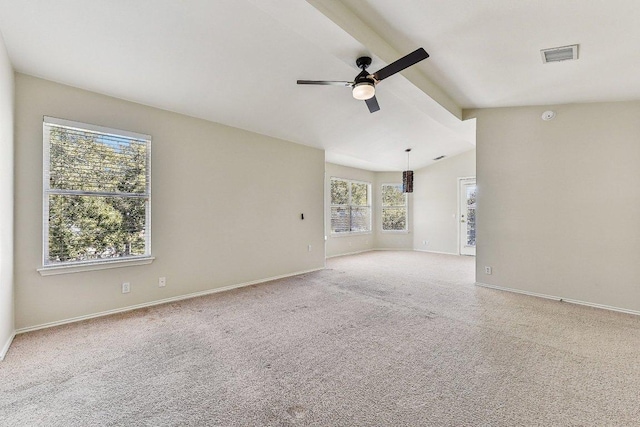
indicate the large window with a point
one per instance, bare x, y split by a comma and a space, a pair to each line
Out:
394, 208
97, 193
350, 206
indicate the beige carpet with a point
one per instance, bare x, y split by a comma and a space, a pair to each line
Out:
377, 339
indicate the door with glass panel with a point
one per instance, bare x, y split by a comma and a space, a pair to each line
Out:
467, 216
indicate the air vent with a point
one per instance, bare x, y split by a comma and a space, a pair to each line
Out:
557, 54
439, 157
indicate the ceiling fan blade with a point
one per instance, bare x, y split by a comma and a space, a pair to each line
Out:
372, 103
324, 82
402, 63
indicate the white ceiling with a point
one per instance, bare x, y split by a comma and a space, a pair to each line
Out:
236, 62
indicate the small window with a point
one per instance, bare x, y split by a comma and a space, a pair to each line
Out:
97, 193
394, 208
350, 206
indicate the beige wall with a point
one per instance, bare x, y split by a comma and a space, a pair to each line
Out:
435, 203
558, 201
6, 199
226, 206
341, 244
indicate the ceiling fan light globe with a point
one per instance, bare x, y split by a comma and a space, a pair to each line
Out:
363, 91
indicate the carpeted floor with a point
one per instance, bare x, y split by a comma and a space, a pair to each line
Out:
377, 339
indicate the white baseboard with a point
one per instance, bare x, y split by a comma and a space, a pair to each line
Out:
436, 252
556, 298
6, 346
351, 253
157, 302
392, 249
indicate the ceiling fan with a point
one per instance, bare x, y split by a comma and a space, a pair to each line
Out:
364, 86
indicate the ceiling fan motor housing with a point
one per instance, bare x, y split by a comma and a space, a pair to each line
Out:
363, 62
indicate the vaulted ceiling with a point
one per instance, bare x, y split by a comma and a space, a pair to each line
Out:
237, 61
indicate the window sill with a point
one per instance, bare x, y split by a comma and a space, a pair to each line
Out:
351, 233
394, 231
51, 270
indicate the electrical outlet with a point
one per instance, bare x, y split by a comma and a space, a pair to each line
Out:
126, 287
162, 282
487, 270
309, 248
425, 243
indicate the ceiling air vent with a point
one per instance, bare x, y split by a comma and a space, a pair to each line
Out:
439, 157
557, 54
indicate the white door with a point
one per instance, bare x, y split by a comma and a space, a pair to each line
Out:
467, 216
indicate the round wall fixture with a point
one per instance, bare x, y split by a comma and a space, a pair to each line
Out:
548, 115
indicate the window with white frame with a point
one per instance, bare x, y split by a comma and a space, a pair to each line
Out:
394, 208
350, 206
96, 193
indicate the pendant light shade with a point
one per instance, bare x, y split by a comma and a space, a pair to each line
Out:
407, 176
407, 182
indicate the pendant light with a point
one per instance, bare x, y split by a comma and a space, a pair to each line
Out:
407, 176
